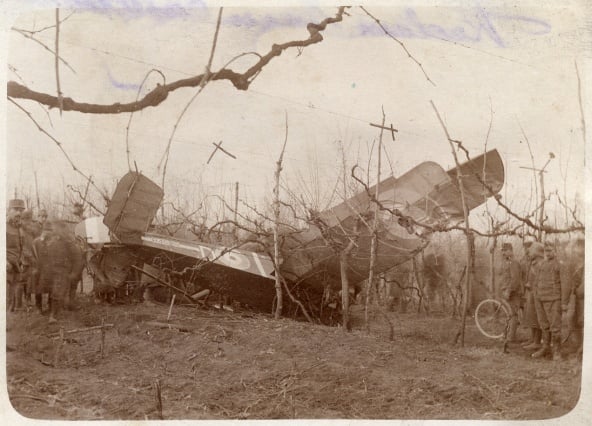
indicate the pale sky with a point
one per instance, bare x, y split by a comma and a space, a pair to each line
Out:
514, 66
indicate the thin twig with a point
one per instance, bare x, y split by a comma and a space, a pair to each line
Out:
85, 199
295, 300
582, 115
57, 59
24, 34
60, 146
202, 84
400, 43
536, 184
48, 26
129, 122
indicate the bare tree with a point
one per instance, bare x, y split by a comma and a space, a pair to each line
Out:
276, 227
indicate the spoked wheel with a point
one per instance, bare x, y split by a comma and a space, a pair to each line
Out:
492, 318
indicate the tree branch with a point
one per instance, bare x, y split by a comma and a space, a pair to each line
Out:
57, 58
241, 81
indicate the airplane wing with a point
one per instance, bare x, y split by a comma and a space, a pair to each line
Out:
427, 194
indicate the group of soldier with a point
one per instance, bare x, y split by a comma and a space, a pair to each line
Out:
544, 289
41, 259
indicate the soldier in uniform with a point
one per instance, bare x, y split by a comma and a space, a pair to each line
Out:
547, 299
60, 268
14, 250
31, 230
510, 287
39, 276
42, 217
529, 318
574, 288
32, 227
80, 263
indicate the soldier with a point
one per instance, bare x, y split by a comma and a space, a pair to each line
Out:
575, 287
547, 299
42, 217
529, 318
39, 274
32, 227
80, 263
31, 230
434, 279
60, 268
510, 287
14, 250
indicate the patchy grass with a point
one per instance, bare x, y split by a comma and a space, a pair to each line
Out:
249, 366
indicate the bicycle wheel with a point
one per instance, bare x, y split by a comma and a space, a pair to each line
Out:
492, 318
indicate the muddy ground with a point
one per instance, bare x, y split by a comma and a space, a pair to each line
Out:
243, 365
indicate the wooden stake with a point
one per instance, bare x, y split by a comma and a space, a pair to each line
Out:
171, 307
37, 192
167, 325
81, 330
159, 281
374, 242
276, 227
236, 210
158, 398
102, 337
59, 348
201, 294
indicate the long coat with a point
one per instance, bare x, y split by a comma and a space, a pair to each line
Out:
14, 246
59, 263
548, 282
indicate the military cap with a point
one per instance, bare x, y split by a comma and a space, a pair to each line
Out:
507, 247
16, 204
527, 243
27, 214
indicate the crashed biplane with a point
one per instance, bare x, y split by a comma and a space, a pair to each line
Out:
411, 207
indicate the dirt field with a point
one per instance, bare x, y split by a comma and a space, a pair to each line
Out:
240, 365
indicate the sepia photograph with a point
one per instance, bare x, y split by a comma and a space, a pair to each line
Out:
296, 211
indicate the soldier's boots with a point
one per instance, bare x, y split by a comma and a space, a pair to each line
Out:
557, 355
546, 346
512, 328
579, 334
148, 296
53, 312
39, 302
11, 302
18, 297
535, 343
